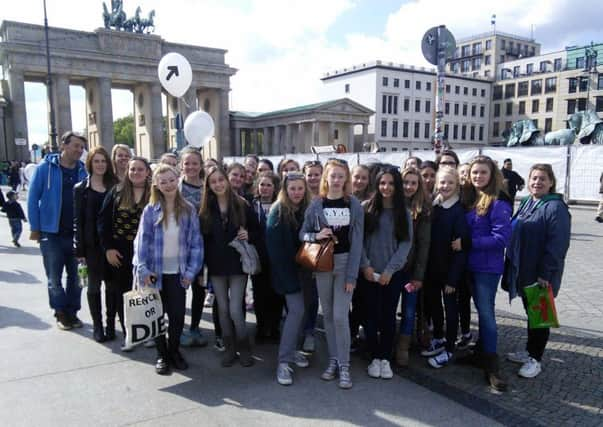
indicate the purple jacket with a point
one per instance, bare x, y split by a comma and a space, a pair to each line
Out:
490, 235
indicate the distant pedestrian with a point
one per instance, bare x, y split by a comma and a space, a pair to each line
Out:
513, 182
15, 215
599, 217
14, 177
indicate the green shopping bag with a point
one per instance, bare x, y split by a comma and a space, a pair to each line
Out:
541, 307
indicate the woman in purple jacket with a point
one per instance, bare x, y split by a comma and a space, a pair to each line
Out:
489, 221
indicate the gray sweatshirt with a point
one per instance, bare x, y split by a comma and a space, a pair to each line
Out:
314, 221
381, 250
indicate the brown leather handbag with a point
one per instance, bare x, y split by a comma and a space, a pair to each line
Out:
317, 256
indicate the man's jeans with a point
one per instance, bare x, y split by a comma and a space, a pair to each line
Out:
57, 254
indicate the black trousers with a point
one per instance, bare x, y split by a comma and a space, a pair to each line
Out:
537, 338
463, 292
267, 304
173, 298
118, 281
434, 294
197, 302
358, 313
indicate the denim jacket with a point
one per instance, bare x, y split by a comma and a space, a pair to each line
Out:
148, 246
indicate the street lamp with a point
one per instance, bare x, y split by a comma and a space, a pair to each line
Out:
53, 130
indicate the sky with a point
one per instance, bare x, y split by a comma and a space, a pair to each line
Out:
282, 48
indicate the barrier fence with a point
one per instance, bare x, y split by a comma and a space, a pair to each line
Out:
577, 167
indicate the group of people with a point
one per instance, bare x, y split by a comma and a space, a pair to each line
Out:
433, 234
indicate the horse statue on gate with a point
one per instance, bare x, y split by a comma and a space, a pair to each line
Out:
523, 132
117, 19
588, 126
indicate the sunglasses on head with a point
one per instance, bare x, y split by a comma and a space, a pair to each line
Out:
335, 159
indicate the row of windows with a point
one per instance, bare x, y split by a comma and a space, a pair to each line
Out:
543, 67
457, 90
549, 106
457, 107
579, 104
548, 126
427, 130
389, 105
396, 83
550, 85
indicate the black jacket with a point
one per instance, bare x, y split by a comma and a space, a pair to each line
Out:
13, 210
84, 237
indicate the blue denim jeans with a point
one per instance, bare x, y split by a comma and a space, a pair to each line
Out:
409, 310
16, 227
484, 288
58, 255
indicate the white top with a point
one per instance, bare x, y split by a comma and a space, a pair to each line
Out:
170, 246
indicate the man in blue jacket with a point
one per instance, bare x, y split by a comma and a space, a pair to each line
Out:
50, 212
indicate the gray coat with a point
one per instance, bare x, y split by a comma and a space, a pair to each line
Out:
314, 221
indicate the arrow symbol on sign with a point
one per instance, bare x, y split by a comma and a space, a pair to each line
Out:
173, 69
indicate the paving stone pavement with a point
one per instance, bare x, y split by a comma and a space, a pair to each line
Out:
569, 391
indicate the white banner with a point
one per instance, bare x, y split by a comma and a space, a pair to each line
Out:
586, 167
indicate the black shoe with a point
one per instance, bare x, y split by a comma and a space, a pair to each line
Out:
599, 219
16, 244
110, 331
177, 360
162, 367
63, 321
75, 322
98, 334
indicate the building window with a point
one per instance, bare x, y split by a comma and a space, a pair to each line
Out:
495, 130
455, 131
522, 88
600, 82
417, 106
542, 66
573, 85
474, 91
447, 108
557, 64
535, 123
396, 82
456, 109
509, 109
508, 126
427, 86
383, 127
477, 48
487, 73
536, 87
426, 130
482, 110
488, 44
448, 88
446, 129
535, 105
472, 133
583, 84
580, 62
571, 106
406, 84
483, 93
465, 90
501, 59
473, 110
522, 107
477, 63
385, 82
516, 71
481, 133
395, 104
405, 129
336, 134
496, 110
417, 130
487, 59
466, 50
548, 124
428, 106
503, 44
509, 90
418, 85
464, 109
347, 88
581, 104
463, 132
529, 69
549, 104
389, 104
406, 104
384, 104
457, 90
599, 104
550, 85
395, 129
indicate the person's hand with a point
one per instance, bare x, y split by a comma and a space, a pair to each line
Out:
417, 284
543, 283
449, 290
34, 235
185, 282
242, 234
150, 279
456, 245
349, 287
368, 274
324, 234
385, 278
114, 257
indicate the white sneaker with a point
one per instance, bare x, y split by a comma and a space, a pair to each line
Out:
300, 360
386, 370
520, 357
530, 369
374, 369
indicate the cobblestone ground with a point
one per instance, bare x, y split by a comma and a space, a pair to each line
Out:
569, 391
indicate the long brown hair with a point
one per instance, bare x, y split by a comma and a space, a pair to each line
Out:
126, 189
418, 204
324, 185
236, 204
482, 200
109, 178
181, 206
286, 208
276, 183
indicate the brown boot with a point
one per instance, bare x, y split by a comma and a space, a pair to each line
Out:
402, 350
492, 372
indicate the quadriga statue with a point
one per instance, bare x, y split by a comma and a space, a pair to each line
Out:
588, 127
523, 132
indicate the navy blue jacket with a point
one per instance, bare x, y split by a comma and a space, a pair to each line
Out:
539, 243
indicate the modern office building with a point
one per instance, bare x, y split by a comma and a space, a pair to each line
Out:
403, 97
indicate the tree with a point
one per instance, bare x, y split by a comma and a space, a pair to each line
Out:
123, 130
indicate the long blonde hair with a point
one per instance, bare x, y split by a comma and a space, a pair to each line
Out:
324, 185
481, 200
181, 206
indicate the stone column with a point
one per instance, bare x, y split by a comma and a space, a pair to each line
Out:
277, 146
288, 139
315, 134
158, 143
224, 146
104, 119
62, 104
364, 134
266, 141
16, 83
237, 140
350, 142
331, 138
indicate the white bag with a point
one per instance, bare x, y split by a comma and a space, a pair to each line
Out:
143, 312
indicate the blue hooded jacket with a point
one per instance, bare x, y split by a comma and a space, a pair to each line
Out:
45, 194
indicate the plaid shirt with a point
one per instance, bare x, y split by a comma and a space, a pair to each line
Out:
148, 246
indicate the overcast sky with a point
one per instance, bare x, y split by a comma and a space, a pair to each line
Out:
282, 48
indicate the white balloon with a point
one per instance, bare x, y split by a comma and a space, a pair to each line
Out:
29, 170
198, 128
175, 74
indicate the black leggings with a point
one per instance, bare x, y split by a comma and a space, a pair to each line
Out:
537, 338
464, 302
197, 302
267, 304
173, 298
434, 294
